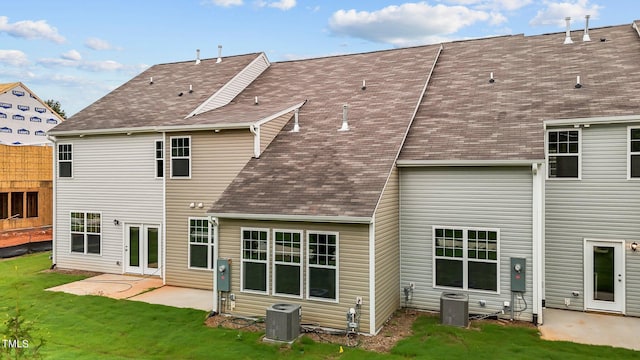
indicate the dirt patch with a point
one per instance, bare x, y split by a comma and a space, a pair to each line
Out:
73, 272
19, 237
398, 327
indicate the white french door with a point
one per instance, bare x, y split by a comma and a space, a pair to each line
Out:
142, 249
604, 279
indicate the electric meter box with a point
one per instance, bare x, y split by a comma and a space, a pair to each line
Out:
223, 272
518, 274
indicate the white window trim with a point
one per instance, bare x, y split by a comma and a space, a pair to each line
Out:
242, 261
155, 144
300, 265
464, 259
69, 161
579, 154
85, 232
171, 157
337, 267
629, 153
210, 245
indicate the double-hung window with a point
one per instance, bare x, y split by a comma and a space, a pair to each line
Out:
201, 244
322, 265
181, 157
287, 262
563, 153
65, 160
159, 158
466, 258
86, 232
634, 153
255, 250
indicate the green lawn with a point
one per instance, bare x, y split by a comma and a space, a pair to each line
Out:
93, 327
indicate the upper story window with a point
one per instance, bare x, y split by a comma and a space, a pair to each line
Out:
633, 161
159, 158
65, 160
563, 153
466, 258
181, 157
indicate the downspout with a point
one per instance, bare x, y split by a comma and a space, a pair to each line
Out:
372, 276
164, 208
538, 175
215, 224
54, 253
255, 130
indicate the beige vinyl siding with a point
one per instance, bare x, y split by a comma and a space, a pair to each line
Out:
603, 205
481, 197
387, 250
216, 159
269, 130
353, 270
113, 175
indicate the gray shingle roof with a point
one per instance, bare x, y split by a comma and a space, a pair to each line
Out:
137, 103
320, 171
464, 117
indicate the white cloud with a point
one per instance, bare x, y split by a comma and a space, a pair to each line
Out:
407, 24
98, 44
496, 5
555, 12
13, 57
227, 3
497, 18
282, 4
28, 29
73, 55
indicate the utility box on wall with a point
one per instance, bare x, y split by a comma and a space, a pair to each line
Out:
223, 273
518, 278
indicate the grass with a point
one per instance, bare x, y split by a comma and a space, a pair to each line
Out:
94, 327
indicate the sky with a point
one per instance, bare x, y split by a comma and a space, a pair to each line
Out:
76, 51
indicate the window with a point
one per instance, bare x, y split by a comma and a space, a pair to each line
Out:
180, 157
254, 260
159, 158
563, 153
201, 244
287, 262
32, 204
634, 153
466, 258
86, 233
322, 265
4, 205
17, 205
65, 160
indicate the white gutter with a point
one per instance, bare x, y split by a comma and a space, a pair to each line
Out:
216, 254
593, 121
304, 218
422, 163
280, 113
164, 208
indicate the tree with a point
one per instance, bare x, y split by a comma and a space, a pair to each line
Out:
55, 106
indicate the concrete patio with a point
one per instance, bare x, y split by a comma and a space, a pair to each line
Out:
145, 289
591, 328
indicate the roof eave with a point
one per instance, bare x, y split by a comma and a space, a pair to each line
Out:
148, 129
297, 218
508, 162
593, 121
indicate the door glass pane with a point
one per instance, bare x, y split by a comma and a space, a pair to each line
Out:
152, 248
134, 246
603, 273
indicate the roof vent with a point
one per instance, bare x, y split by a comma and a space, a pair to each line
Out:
364, 84
255, 101
219, 54
491, 79
150, 80
296, 126
578, 84
190, 88
345, 124
586, 37
567, 39
197, 56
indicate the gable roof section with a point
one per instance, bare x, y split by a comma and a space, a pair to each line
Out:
463, 117
320, 172
6, 87
141, 104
